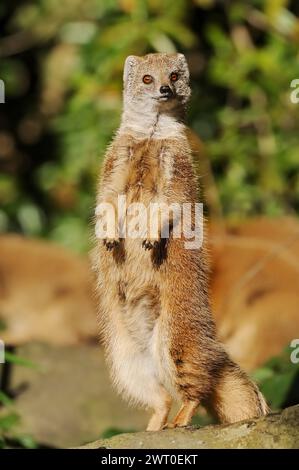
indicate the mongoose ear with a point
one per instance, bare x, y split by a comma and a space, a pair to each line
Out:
130, 62
184, 64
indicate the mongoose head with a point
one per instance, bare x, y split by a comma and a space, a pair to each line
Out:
156, 82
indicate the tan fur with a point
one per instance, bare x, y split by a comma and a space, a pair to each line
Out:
46, 293
255, 287
156, 321
185, 414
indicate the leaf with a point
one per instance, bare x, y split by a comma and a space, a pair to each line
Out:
110, 432
276, 378
26, 442
262, 374
5, 399
161, 43
276, 388
7, 422
177, 31
14, 359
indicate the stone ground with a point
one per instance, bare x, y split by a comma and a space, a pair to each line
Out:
276, 431
68, 400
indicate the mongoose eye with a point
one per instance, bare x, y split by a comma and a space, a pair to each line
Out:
174, 76
147, 79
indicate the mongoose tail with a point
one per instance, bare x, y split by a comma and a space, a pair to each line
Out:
236, 397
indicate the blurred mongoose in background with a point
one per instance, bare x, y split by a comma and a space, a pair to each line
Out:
154, 314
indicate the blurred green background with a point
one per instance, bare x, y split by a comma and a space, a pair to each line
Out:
62, 65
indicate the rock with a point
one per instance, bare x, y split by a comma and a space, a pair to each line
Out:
276, 431
68, 399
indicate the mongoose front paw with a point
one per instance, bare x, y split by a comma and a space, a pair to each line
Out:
110, 243
150, 244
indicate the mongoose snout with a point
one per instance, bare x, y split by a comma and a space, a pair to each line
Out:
166, 91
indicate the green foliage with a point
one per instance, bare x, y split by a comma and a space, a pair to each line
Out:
203, 419
21, 361
258, 139
279, 379
9, 419
110, 432
8, 424
63, 86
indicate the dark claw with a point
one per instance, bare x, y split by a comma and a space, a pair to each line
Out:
148, 245
110, 244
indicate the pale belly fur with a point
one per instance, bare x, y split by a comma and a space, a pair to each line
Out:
137, 342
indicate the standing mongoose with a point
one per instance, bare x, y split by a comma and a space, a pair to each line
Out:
155, 315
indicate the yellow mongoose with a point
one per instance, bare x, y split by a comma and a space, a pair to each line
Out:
155, 315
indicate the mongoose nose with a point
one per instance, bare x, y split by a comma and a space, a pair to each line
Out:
165, 90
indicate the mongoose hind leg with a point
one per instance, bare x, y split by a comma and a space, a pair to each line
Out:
160, 415
185, 414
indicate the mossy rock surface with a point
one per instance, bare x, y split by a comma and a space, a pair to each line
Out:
276, 431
